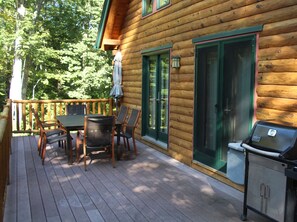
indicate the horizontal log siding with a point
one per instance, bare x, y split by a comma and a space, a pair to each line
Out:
184, 20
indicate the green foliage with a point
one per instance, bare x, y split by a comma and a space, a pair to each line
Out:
7, 36
57, 39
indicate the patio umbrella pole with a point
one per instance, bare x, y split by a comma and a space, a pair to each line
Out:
116, 103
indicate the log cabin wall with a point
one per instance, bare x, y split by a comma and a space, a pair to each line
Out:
182, 21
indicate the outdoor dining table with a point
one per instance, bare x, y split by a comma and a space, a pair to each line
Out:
76, 122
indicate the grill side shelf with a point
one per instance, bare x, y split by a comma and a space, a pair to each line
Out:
291, 173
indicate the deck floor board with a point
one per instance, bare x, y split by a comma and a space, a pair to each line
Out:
151, 187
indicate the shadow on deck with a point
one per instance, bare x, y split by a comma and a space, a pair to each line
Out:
151, 187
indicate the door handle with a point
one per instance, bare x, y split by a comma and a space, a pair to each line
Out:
216, 107
262, 189
266, 196
227, 109
267, 192
158, 98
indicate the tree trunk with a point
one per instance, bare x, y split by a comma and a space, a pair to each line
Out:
16, 84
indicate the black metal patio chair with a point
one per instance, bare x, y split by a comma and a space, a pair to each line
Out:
50, 128
128, 129
48, 136
121, 117
98, 137
76, 109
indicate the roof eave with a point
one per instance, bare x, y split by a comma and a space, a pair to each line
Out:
102, 24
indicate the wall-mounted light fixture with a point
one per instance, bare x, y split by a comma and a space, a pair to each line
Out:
175, 62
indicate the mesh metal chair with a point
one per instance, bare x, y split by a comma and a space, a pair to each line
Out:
48, 136
129, 129
122, 114
121, 119
98, 136
50, 140
76, 109
45, 127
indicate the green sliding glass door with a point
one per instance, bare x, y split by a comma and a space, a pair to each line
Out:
224, 88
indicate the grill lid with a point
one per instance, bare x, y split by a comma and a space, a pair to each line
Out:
274, 138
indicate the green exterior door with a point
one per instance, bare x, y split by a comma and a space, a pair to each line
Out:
155, 96
224, 87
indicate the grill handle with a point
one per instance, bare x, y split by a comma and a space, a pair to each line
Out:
266, 153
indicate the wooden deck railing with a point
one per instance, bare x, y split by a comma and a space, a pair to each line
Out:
5, 144
23, 121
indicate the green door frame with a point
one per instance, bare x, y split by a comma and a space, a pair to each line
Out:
216, 162
156, 134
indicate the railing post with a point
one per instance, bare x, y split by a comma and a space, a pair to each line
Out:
110, 106
5, 150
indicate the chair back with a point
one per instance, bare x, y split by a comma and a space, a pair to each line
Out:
132, 121
76, 109
99, 131
39, 124
122, 114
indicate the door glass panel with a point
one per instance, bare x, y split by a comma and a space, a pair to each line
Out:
164, 93
212, 98
152, 63
207, 99
236, 93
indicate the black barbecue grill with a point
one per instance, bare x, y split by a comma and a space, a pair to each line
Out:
276, 140
271, 171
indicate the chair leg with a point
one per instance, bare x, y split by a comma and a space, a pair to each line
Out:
85, 159
39, 144
125, 145
78, 143
128, 143
77, 154
112, 156
41, 147
64, 145
134, 145
43, 152
118, 142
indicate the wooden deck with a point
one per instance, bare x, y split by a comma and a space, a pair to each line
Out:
152, 187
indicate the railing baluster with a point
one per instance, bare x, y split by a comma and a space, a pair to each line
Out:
24, 115
92, 106
99, 107
88, 108
30, 116
104, 110
48, 111
55, 110
60, 108
110, 106
42, 111
17, 116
